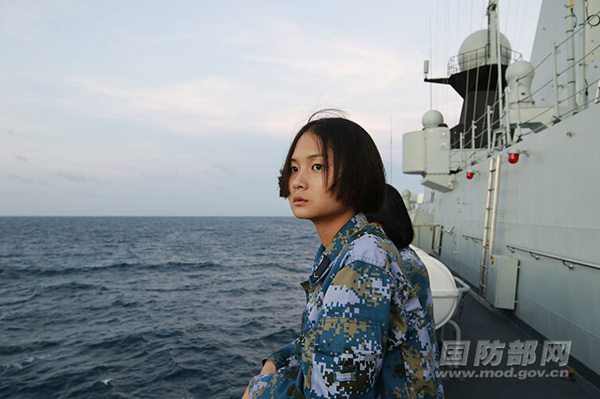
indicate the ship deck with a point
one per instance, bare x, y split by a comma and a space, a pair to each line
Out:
479, 322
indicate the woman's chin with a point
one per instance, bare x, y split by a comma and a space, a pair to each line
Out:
300, 213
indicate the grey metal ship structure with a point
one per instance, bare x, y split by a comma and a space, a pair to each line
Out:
511, 193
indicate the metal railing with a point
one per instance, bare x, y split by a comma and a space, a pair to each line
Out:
505, 136
475, 239
479, 57
568, 262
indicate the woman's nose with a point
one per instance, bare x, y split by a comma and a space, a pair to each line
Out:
298, 181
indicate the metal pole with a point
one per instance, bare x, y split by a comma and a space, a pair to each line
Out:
507, 127
581, 79
571, 80
518, 119
391, 159
486, 229
489, 128
462, 153
499, 55
495, 204
473, 127
555, 74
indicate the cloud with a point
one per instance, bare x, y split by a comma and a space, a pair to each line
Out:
75, 178
277, 76
181, 107
12, 133
21, 158
25, 20
21, 179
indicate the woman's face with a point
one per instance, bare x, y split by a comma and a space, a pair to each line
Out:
309, 196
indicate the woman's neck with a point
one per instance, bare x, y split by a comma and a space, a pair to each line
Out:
328, 228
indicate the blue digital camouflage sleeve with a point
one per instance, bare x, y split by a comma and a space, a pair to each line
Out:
350, 336
283, 357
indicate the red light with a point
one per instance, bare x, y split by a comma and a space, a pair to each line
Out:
513, 157
470, 175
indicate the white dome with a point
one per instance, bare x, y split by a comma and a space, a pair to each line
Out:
519, 69
472, 52
432, 118
519, 76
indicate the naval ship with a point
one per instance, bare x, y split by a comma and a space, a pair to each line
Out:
511, 192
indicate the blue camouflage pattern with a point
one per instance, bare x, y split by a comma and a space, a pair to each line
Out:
365, 332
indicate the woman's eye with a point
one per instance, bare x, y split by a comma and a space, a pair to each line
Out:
317, 166
294, 169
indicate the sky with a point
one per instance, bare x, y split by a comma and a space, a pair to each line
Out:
188, 108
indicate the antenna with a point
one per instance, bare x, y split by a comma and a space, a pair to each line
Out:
391, 164
426, 73
426, 66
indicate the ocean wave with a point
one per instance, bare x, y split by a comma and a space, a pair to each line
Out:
72, 287
122, 342
17, 298
113, 267
171, 313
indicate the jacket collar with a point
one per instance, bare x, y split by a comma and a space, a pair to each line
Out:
325, 256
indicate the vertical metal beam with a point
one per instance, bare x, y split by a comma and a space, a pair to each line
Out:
463, 162
581, 44
571, 78
489, 128
486, 229
495, 24
473, 128
495, 203
489, 229
507, 134
555, 78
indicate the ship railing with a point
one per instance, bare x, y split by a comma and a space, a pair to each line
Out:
474, 239
480, 130
568, 262
560, 105
567, 106
479, 57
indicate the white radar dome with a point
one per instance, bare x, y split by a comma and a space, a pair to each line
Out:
432, 118
519, 70
519, 75
472, 52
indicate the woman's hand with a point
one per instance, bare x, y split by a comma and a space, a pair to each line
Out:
268, 368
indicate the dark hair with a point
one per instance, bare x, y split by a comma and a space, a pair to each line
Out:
394, 218
358, 172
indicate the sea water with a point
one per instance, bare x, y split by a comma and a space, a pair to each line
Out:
146, 307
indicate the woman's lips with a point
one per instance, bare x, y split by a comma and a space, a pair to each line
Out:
297, 200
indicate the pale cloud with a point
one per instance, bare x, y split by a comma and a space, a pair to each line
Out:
21, 179
24, 20
204, 107
21, 158
358, 65
297, 72
188, 107
75, 178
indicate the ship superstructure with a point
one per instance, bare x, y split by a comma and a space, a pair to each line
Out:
512, 191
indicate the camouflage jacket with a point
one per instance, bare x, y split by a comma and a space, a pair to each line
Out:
364, 332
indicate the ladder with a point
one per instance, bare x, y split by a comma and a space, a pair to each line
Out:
489, 227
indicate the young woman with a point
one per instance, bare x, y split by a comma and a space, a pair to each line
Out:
394, 220
364, 333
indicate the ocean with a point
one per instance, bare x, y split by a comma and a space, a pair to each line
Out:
157, 307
